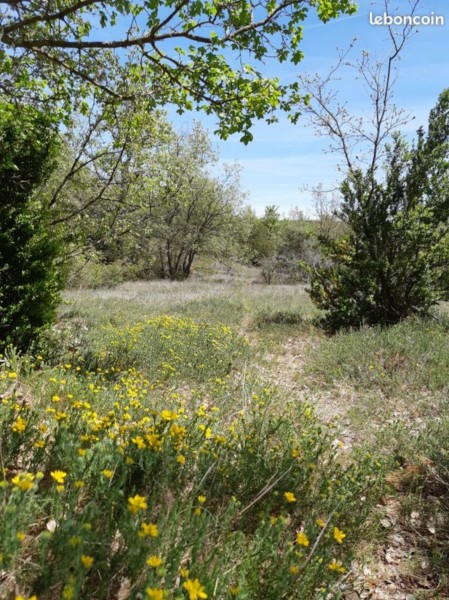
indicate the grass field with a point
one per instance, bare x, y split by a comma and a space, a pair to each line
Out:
203, 439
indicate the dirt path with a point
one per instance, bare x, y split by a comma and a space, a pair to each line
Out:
393, 568
286, 370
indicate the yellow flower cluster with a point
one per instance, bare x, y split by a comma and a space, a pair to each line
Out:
117, 443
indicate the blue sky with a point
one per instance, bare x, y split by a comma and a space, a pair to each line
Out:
284, 158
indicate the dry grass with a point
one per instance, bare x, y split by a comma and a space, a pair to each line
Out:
231, 300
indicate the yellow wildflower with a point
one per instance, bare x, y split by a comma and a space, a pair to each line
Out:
19, 425
302, 539
148, 530
194, 589
289, 497
336, 565
87, 561
59, 476
139, 441
320, 522
69, 591
154, 561
24, 481
181, 459
74, 541
108, 473
20, 536
136, 503
169, 415
201, 499
339, 536
294, 569
156, 594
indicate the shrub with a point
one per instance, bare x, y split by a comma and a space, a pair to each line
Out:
30, 275
91, 273
393, 260
166, 347
110, 484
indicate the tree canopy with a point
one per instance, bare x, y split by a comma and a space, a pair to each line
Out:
195, 54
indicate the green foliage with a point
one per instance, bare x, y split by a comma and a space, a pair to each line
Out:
412, 355
132, 190
93, 272
184, 210
168, 486
286, 316
30, 273
168, 347
264, 236
393, 260
55, 52
282, 246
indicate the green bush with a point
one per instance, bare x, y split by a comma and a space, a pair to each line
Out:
30, 273
92, 273
393, 260
111, 483
167, 347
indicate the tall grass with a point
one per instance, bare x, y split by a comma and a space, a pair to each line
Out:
230, 302
413, 355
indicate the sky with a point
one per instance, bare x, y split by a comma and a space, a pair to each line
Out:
284, 161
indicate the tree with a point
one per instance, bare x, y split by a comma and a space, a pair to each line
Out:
170, 51
140, 193
184, 210
390, 198
105, 164
263, 239
359, 139
393, 261
30, 273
